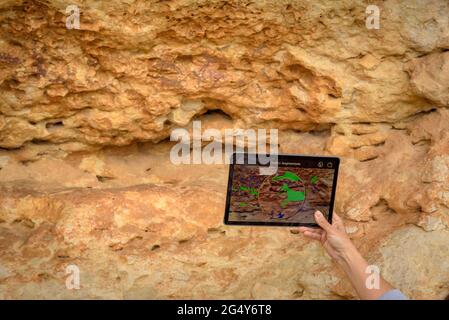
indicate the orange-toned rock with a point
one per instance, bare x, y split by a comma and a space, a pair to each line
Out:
430, 77
85, 174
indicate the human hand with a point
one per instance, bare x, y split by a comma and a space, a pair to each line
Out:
333, 237
338, 245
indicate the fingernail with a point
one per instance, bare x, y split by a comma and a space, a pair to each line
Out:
318, 214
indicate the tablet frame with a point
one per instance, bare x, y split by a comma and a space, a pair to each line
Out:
281, 158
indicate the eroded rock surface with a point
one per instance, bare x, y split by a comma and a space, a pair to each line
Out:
85, 174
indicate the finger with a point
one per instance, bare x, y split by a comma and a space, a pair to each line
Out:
318, 233
312, 235
336, 218
338, 222
313, 230
322, 222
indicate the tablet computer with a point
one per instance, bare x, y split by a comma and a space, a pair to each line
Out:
288, 196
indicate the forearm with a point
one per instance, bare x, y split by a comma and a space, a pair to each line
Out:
355, 266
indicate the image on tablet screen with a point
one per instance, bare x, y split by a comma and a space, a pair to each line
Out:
291, 195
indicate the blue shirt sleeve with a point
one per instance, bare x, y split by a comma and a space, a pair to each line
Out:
394, 294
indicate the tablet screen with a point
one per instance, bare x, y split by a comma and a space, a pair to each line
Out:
290, 197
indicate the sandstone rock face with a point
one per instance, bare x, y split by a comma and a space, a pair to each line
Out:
430, 77
85, 173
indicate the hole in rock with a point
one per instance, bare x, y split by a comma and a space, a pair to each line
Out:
298, 69
381, 208
26, 162
217, 113
12, 83
15, 43
422, 142
44, 276
321, 132
172, 182
13, 148
104, 178
54, 125
116, 247
39, 141
155, 247
370, 158
25, 222
298, 293
187, 58
213, 230
380, 144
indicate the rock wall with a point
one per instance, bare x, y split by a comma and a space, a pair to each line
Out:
85, 174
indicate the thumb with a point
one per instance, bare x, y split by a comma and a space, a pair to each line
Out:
322, 222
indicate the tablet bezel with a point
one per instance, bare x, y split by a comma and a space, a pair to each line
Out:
281, 158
